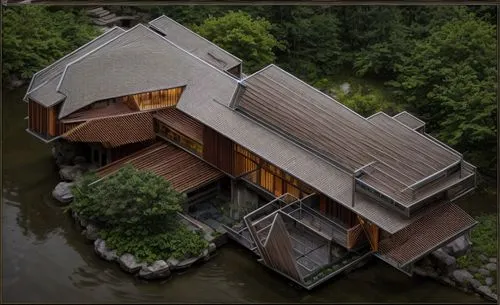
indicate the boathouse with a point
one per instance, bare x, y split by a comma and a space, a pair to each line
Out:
328, 186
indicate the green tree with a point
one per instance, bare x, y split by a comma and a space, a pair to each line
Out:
450, 81
34, 37
243, 36
137, 213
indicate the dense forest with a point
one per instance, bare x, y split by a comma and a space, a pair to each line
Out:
438, 63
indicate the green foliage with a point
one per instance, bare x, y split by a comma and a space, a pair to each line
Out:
364, 102
454, 71
179, 243
483, 237
137, 212
34, 37
241, 35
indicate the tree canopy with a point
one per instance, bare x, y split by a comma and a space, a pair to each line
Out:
241, 35
35, 36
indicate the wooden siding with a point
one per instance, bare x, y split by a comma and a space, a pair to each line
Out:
267, 176
181, 122
42, 120
157, 99
218, 150
335, 210
166, 131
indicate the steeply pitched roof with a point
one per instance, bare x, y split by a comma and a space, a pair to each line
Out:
194, 43
139, 60
44, 83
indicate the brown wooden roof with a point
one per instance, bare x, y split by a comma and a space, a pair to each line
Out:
429, 232
182, 123
184, 171
114, 131
101, 112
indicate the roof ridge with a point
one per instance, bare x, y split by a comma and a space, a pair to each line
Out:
188, 29
65, 56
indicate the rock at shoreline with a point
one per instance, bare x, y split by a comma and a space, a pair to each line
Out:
62, 192
461, 276
443, 261
458, 247
473, 269
105, 253
211, 248
486, 291
70, 173
91, 232
157, 270
493, 260
483, 271
489, 281
129, 263
447, 281
474, 283
491, 266
173, 263
187, 262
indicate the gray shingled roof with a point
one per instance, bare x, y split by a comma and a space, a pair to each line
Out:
44, 83
140, 60
194, 43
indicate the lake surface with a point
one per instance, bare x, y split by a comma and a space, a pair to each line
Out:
45, 259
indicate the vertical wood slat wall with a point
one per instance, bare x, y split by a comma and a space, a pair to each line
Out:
335, 210
218, 150
157, 99
42, 120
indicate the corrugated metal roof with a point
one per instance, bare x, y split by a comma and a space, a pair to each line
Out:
312, 118
409, 120
114, 131
194, 43
184, 171
44, 83
181, 122
140, 60
429, 232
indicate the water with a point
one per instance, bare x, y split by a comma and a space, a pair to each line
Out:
45, 259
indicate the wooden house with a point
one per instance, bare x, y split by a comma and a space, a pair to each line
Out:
178, 105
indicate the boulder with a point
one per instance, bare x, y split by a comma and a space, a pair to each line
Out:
473, 269
461, 276
187, 262
173, 263
70, 173
62, 192
211, 248
474, 283
129, 263
447, 281
443, 261
105, 253
493, 260
458, 247
346, 88
483, 271
489, 281
491, 266
157, 270
486, 292
91, 232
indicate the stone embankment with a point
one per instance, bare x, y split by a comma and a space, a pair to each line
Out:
441, 265
159, 269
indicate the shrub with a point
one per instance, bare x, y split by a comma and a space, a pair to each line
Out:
483, 238
137, 214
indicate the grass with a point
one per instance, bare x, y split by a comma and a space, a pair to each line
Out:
484, 237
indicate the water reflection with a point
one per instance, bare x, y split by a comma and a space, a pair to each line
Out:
45, 259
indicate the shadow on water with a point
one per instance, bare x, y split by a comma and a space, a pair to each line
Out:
45, 259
